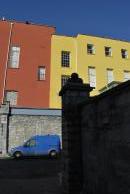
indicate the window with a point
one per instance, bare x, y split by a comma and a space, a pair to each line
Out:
14, 57
30, 143
126, 75
108, 51
41, 73
11, 96
64, 79
65, 59
110, 76
90, 49
92, 76
124, 53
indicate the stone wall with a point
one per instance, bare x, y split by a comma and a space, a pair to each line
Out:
105, 127
18, 124
96, 139
22, 127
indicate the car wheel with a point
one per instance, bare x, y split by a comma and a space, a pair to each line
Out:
53, 154
18, 155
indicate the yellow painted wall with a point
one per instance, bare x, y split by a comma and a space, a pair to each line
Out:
100, 61
60, 43
81, 60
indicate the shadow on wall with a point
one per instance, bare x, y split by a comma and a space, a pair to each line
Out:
96, 136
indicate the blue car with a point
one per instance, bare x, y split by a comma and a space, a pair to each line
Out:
38, 146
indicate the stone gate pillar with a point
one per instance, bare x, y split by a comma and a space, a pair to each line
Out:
73, 93
4, 119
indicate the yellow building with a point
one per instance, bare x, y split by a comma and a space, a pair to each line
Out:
97, 60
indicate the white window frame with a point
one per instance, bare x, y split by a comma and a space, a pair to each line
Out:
110, 76
90, 49
124, 53
126, 75
92, 76
41, 73
14, 56
65, 58
64, 79
108, 51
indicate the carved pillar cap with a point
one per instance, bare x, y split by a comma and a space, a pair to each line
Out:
75, 78
75, 83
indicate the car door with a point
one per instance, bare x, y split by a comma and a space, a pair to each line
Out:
30, 147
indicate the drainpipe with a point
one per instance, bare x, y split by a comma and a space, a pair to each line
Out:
7, 58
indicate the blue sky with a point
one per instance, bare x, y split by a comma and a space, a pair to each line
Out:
96, 17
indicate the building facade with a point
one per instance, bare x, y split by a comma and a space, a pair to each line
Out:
35, 63
98, 61
25, 55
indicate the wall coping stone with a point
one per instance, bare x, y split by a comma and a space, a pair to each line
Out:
36, 112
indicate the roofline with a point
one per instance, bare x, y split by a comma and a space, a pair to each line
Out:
51, 26
64, 35
103, 37
27, 22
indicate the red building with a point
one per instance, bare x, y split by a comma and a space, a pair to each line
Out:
25, 53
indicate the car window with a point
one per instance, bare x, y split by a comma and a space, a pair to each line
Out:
30, 143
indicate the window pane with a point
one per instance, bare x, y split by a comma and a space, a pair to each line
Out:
41, 73
64, 79
126, 75
110, 76
124, 53
11, 96
65, 58
92, 76
108, 51
32, 143
14, 57
90, 49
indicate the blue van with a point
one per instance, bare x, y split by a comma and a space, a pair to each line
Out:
38, 146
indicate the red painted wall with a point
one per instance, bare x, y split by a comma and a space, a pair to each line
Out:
35, 50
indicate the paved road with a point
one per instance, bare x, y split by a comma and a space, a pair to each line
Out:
30, 176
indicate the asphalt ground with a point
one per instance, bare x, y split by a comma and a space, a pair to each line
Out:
30, 176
